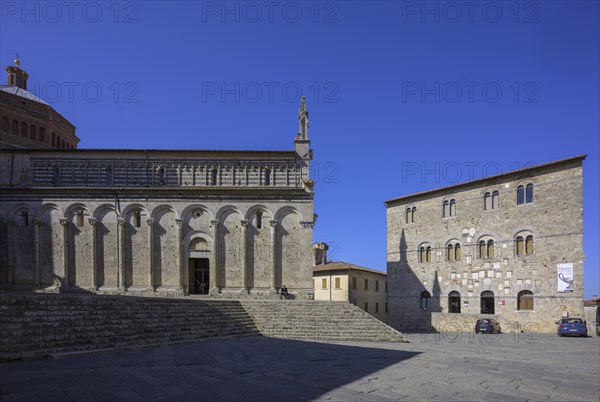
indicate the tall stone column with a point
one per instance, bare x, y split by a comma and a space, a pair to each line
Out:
10, 250
121, 241
214, 267
244, 253
65, 251
274, 254
94, 263
36, 253
179, 223
150, 223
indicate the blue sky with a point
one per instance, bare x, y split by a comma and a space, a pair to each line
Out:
390, 85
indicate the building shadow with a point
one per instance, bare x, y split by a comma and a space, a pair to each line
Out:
412, 302
253, 369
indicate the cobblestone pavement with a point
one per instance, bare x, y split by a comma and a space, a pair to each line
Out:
432, 367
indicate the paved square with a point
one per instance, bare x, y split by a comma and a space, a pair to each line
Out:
432, 367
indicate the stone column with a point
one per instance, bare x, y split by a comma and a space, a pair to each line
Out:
274, 254
36, 253
179, 223
94, 223
150, 223
214, 267
65, 225
10, 228
244, 253
121, 252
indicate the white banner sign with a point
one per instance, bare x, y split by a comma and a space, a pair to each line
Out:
565, 277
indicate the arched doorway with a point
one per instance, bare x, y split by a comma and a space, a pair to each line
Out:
487, 302
199, 264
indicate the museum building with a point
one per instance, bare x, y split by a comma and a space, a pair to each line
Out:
148, 222
508, 247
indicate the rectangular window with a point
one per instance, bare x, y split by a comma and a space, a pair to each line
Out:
367, 307
386, 310
337, 283
366, 284
377, 286
376, 308
354, 283
385, 286
324, 283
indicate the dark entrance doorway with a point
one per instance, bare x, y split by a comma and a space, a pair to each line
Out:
487, 302
199, 278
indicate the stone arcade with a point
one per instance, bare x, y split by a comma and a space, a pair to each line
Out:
224, 223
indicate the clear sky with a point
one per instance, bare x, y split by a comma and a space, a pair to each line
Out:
403, 96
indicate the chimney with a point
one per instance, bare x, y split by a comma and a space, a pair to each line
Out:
320, 253
16, 76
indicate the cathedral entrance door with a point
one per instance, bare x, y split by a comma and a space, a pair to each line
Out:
200, 276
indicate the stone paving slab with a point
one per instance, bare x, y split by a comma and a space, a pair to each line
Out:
432, 367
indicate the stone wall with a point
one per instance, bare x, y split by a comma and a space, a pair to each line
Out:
79, 235
554, 220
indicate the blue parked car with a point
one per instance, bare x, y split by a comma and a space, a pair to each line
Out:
571, 326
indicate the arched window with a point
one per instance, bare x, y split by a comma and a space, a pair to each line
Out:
445, 209
422, 254
53, 139
42, 135
428, 254
267, 177
259, 218
490, 249
80, 218
413, 214
137, 218
214, 176
407, 215
520, 195
452, 207
525, 300
15, 127
487, 201
495, 199
62, 144
425, 300
5, 124
520, 245
457, 251
454, 302
450, 252
529, 193
482, 249
529, 245
487, 302
23, 129
33, 132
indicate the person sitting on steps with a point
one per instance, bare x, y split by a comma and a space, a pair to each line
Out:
284, 292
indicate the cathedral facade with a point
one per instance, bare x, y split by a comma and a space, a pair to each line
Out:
221, 223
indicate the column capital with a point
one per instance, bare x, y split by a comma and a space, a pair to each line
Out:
64, 221
37, 221
179, 222
214, 222
150, 221
273, 223
244, 223
121, 221
93, 221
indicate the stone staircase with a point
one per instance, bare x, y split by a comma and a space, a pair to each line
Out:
318, 321
36, 325
53, 325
